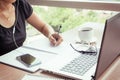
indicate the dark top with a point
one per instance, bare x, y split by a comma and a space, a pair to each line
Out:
22, 11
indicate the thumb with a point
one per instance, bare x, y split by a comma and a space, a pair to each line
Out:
52, 40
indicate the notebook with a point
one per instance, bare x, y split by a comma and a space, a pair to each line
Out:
11, 58
86, 67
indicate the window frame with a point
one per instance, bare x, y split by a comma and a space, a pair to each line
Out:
95, 5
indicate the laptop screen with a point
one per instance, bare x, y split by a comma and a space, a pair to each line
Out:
110, 46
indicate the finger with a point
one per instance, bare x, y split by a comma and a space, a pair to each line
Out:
52, 41
58, 42
56, 38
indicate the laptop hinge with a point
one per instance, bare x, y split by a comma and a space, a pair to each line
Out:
92, 77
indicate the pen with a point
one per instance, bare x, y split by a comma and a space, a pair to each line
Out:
59, 29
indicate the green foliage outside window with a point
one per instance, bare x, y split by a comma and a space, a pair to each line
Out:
67, 17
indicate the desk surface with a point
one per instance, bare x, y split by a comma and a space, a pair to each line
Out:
11, 73
113, 72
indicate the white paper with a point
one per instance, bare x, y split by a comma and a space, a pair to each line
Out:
10, 58
36, 77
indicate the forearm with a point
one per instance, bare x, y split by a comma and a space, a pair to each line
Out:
47, 30
40, 25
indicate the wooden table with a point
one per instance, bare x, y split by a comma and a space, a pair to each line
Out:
12, 73
113, 72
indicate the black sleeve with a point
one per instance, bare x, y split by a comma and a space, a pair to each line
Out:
26, 8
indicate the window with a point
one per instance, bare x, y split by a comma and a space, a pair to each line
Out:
69, 15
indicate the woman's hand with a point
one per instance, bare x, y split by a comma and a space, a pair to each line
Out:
55, 39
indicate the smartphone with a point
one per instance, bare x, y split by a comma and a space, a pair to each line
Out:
28, 60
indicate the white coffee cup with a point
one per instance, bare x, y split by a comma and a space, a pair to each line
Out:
86, 34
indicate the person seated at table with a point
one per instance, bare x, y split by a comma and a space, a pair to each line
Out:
13, 17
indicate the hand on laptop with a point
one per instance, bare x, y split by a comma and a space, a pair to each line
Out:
55, 39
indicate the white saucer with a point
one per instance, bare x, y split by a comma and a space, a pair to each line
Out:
93, 41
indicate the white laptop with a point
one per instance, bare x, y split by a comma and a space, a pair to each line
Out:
86, 67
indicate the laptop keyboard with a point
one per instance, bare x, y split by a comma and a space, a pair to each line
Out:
80, 65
